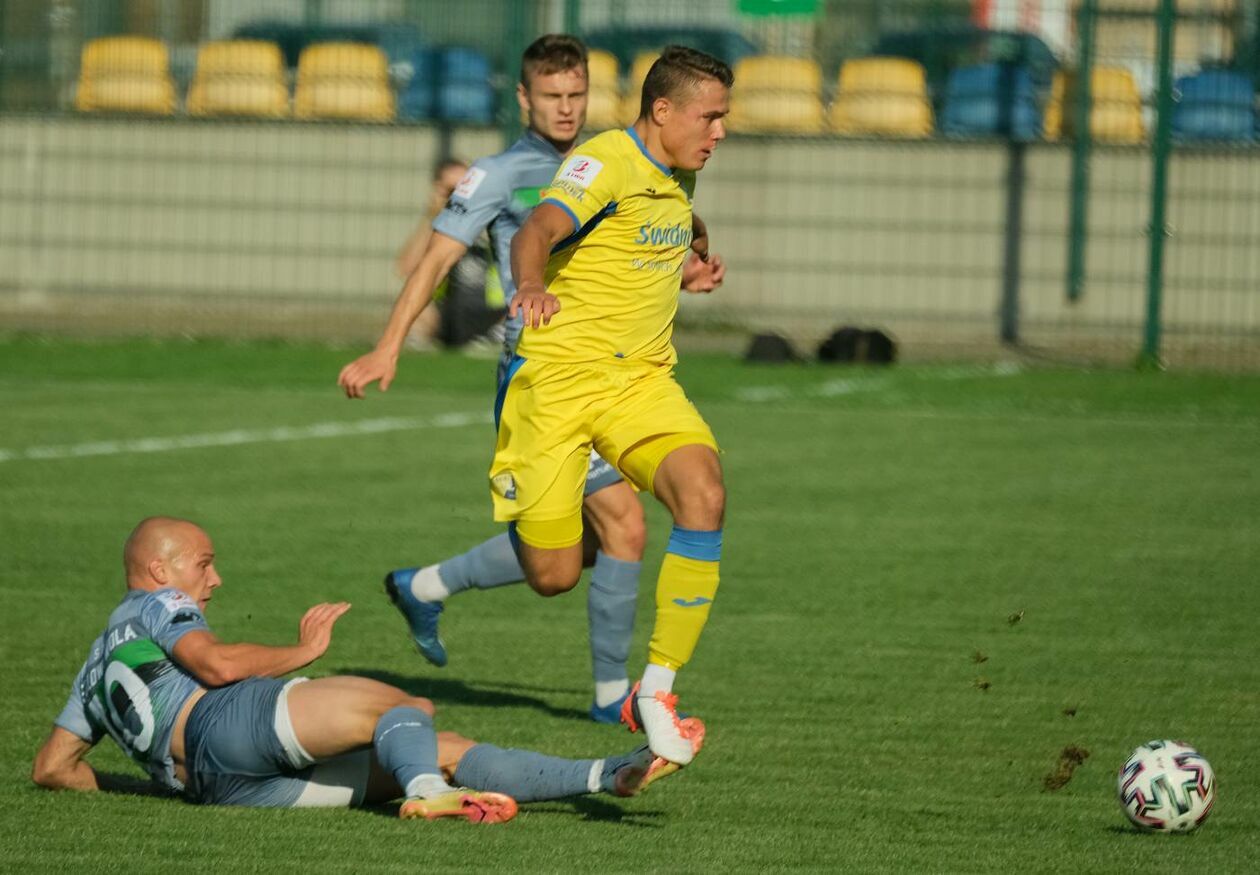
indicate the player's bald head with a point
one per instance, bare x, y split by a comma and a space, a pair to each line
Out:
158, 537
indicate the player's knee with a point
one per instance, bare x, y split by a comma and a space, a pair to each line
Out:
420, 703
627, 537
554, 581
704, 505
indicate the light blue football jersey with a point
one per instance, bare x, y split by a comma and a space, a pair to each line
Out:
130, 688
497, 195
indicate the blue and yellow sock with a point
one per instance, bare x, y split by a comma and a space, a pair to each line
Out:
684, 594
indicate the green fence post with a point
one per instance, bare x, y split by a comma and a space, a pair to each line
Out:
1081, 147
1160, 149
520, 17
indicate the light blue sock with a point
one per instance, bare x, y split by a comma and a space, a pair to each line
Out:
491, 563
610, 605
406, 745
529, 777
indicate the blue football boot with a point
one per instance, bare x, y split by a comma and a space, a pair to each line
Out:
422, 617
609, 713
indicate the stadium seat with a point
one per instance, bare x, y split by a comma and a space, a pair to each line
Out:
990, 100
1115, 111
603, 107
125, 74
343, 81
777, 94
602, 68
1214, 105
239, 78
632, 97
463, 91
884, 97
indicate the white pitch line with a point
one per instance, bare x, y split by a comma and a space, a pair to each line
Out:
238, 437
870, 383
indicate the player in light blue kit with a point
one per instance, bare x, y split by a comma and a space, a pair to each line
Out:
212, 721
497, 195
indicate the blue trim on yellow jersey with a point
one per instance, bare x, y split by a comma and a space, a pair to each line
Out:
634, 135
695, 544
578, 236
572, 215
501, 395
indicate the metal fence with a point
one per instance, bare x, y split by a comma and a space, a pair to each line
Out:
972, 176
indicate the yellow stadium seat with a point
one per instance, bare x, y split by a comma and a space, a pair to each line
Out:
240, 58
1115, 111
882, 97
778, 73
125, 74
602, 67
632, 98
767, 112
239, 78
348, 99
243, 96
126, 93
139, 55
777, 94
342, 61
343, 81
603, 109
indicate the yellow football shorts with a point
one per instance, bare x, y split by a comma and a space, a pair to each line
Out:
551, 414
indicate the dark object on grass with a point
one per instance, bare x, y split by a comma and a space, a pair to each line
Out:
1071, 757
770, 347
859, 346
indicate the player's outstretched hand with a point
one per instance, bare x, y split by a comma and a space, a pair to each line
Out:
703, 276
536, 306
315, 629
366, 370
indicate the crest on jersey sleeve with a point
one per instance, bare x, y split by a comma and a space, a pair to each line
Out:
580, 171
173, 600
470, 183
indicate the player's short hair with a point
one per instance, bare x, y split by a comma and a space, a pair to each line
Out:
678, 72
552, 53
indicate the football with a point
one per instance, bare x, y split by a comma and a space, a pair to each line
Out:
1166, 786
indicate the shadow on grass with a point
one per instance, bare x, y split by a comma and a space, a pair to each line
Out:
490, 695
587, 809
130, 785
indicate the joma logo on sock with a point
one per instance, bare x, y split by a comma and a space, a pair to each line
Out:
693, 603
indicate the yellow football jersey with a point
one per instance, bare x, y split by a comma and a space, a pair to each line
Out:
618, 274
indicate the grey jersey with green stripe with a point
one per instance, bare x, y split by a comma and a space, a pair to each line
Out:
497, 194
130, 688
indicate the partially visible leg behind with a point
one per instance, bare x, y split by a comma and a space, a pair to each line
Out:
615, 514
331, 716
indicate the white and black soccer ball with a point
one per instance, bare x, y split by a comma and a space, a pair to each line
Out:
1166, 786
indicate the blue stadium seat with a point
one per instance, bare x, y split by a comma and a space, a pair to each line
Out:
1214, 105
463, 92
415, 97
991, 100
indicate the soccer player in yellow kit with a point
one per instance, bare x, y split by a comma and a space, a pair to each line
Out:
597, 268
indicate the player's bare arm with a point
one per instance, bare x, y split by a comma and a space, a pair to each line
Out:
702, 271
216, 664
417, 293
59, 764
699, 237
701, 277
546, 226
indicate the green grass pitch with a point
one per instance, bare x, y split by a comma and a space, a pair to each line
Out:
934, 581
